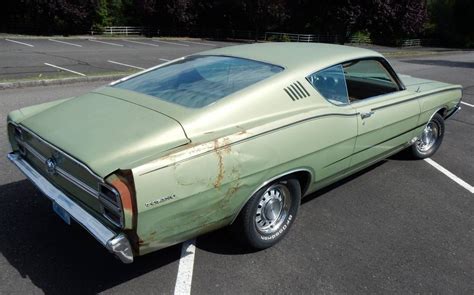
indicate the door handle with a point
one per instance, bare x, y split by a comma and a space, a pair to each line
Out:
366, 114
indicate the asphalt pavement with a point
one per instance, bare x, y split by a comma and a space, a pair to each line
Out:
398, 227
40, 58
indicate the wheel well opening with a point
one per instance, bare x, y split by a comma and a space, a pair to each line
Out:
304, 178
442, 112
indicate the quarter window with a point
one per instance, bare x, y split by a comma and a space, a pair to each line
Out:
330, 83
368, 78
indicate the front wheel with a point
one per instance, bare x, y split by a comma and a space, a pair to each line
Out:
269, 214
430, 139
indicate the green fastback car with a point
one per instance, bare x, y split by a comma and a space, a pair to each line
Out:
232, 136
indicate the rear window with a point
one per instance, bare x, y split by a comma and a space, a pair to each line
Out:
198, 81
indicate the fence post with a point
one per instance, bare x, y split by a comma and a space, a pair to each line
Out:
126, 31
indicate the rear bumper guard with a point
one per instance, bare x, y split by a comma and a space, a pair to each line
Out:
456, 109
117, 244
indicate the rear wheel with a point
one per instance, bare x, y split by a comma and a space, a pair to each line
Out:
268, 215
430, 139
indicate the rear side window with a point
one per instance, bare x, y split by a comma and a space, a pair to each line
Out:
331, 84
198, 81
368, 78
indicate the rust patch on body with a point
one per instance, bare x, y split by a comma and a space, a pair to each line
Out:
220, 150
234, 188
220, 165
142, 243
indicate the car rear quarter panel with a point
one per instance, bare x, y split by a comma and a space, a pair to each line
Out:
210, 182
445, 98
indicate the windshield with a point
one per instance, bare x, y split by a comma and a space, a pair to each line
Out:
198, 81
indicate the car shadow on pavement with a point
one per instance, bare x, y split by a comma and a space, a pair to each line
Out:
343, 181
59, 258
441, 63
223, 241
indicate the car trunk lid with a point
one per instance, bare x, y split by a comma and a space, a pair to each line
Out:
106, 133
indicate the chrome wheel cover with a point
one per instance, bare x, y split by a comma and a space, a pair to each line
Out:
428, 137
272, 209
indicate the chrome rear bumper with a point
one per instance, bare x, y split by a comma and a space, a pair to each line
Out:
118, 244
456, 109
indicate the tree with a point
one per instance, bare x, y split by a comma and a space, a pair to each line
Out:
390, 20
264, 14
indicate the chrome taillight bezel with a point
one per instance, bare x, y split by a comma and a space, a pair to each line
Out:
111, 204
18, 133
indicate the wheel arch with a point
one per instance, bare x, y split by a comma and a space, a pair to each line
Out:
304, 176
443, 111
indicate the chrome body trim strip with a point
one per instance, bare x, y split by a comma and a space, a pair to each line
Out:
115, 243
211, 148
409, 99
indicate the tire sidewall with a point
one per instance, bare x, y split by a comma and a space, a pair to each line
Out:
437, 119
260, 240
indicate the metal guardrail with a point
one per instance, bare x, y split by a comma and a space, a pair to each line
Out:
359, 40
121, 30
290, 37
411, 43
276, 36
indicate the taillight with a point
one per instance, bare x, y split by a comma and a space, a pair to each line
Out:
117, 197
18, 133
111, 203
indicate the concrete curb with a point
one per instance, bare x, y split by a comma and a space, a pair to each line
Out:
64, 81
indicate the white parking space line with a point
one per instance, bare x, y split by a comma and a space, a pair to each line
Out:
64, 69
103, 42
200, 43
18, 42
125, 65
468, 104
164, 59
185, 269
172, 43
63, 42
453, 177
143, 43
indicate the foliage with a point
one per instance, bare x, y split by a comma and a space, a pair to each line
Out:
279, 38
361, 37
385, 20
393, 20
451, 21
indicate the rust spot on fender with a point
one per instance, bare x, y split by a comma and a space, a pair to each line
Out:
220, 165
234, 188
220, 149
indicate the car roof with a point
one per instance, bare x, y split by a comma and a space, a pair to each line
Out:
295, 55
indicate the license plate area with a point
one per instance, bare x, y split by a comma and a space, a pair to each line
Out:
65, 216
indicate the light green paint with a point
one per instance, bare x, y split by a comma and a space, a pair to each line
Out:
212, 159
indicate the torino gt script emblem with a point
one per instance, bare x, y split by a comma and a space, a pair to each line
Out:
51, 165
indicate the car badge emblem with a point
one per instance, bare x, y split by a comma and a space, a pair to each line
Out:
51, 165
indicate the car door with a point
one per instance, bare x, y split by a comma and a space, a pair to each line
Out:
387, 114
334, 135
